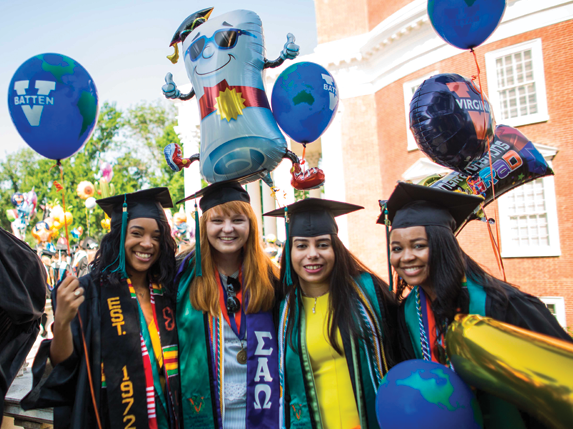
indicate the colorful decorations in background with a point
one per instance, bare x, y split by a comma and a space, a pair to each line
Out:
180, 223
24, 211
420, 394
77, 232
465, 24
53, 103
90, 203
105, 189
224, 59
43, 232
85, 190
515, 161
17, 199
450, 123
106, 171
530, 370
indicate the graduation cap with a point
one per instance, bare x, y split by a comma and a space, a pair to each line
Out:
187, 26
416, 205
148, 203
310, 217
89, 243
214, 195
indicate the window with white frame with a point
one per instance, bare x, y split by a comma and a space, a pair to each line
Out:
410, 88
516, 82
556, 306
528, 220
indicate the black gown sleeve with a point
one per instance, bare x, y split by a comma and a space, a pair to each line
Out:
66, 386
528, 312
22, 299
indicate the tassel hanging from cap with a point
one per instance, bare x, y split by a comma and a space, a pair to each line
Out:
121, 256
287, 278
198, 270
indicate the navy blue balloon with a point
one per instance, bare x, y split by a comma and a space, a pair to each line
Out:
304, 101
419, 394
465, 24
449, 122
53, 103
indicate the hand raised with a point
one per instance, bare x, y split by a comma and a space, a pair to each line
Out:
69, 297
170, 88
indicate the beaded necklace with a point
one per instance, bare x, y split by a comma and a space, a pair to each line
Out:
425, 343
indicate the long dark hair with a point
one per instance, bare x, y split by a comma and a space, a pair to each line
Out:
342, 298
448, 266
162, 271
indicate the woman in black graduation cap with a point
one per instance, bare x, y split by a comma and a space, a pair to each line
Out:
335, 324
443, 281
226, 292
125, 325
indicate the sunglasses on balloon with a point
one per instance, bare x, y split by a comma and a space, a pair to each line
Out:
223, 39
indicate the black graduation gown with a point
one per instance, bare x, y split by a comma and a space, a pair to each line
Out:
22, 300
519, 309
66, 387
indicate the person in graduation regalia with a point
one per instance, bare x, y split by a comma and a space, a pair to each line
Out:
115, 364
444, 281
336, 324
226, 293
23, 297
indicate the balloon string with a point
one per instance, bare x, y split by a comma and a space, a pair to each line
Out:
496, 208
61, 188
303, 161
495, 246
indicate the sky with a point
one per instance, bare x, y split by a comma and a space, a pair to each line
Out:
123, 44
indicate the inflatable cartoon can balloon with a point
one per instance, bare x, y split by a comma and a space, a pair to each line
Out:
53, 103
224, 59
450, 123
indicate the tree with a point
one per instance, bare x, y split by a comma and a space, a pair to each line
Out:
132, 141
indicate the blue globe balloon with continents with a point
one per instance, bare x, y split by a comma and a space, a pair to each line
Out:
53, 103
304, 101
419, 394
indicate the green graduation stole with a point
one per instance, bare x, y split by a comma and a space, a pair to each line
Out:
498, 414
299, 402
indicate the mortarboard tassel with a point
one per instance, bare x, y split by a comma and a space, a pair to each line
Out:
198, 270
121, 256
387, 224
287, 278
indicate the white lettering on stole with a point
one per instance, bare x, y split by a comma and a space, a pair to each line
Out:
262, 371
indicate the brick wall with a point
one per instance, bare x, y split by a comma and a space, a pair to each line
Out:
378, 10
338, 19
363, 176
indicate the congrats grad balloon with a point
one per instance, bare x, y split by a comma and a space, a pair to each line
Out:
53, 103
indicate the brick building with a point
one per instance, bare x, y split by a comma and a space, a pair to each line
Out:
379, 52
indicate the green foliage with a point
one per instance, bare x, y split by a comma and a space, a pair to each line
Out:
132, 141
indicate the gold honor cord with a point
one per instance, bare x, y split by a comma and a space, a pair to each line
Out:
527, 369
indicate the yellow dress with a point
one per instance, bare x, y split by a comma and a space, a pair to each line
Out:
331, 377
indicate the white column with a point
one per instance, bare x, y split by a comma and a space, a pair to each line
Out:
254, 190
333, 166
270, 223
285, 194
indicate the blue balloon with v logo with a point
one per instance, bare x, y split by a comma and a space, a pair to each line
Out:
465, 24
53, 103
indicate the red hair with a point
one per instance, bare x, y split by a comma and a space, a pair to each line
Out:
259, 272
